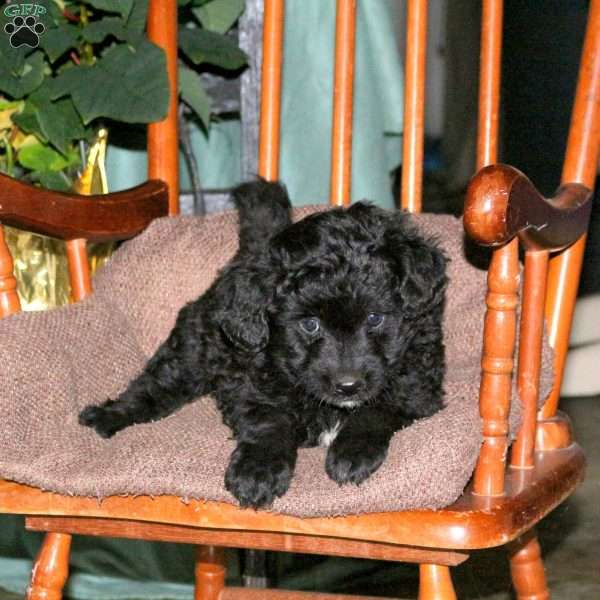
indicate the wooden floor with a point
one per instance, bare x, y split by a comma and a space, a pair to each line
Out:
569, 539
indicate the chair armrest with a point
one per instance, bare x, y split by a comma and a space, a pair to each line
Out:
501, 202
99, 218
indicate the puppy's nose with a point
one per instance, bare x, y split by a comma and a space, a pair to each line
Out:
348, 384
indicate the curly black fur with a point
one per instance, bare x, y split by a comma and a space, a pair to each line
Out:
323, 331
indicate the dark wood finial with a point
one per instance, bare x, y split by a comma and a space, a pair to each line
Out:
502, 203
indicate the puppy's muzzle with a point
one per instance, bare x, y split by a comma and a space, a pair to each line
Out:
348, 384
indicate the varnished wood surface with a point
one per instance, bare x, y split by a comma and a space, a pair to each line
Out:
435, 583
414, 106
527, 569
501, 298
563, 282
501, 203
472, 522
9, 299
236, 593
553, 432
489, 82
163, 139
343, 93
270, 94
79, 269
580, 165
581, 156
263, 540
530, 356
98, 218
209, 572
495, 388
51, 568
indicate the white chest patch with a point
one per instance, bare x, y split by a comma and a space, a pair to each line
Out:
326, 438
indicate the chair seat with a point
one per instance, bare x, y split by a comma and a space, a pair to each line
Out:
471, 522
87, 352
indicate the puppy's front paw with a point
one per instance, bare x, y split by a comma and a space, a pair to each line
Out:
100, 419
257, 475
354, 460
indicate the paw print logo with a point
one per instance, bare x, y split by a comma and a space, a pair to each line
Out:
24, 31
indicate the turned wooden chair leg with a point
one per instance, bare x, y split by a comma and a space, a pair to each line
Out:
51, 568
435, 583
210, 573
527, 569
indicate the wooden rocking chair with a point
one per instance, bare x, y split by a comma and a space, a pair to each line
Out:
504, 501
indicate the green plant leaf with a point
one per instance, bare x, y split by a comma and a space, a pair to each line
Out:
193, 94
219, 15
98, 31
60, 123
54, 121
126, 84
123, 7
138, 16
57, 40
12, 58
18, 82
54, 12
54, 180
40, 157
8, 104
202, 46
27, 121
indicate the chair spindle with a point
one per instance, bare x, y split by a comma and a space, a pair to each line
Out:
581, 163
489, 82
79, 269
270, 90
435, 583
527, 569
530, 355
341, 136
209, 573
9, 299
503, 278
51, 568
414, 106
163, 143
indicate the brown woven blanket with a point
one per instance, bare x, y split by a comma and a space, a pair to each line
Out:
53, 364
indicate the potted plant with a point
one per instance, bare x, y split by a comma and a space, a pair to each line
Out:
69, 67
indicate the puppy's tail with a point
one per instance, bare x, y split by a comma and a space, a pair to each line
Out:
264, 209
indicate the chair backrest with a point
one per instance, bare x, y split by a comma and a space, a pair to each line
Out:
550, 282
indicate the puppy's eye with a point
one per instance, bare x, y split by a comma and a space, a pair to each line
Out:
310, 325
375, 320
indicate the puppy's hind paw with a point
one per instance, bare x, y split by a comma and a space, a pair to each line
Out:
99, 419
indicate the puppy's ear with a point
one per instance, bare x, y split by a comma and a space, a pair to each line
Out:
419, 265
241, 312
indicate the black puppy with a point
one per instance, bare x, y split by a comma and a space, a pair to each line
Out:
326, 331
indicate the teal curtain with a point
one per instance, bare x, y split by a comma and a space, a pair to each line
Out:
307, 101
306, 112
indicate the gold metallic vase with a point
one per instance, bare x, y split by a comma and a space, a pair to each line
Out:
40, 263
